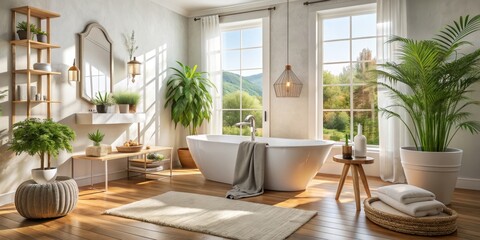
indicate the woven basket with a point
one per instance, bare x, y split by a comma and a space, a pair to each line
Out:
130, 149
425, 226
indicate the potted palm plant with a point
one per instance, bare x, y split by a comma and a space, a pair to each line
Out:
44, 138
438, 78
190, 101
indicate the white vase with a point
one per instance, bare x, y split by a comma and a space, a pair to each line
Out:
436, 172
359, 143
123, 108
42, 176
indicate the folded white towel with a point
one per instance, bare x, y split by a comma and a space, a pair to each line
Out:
416, 209
406, 194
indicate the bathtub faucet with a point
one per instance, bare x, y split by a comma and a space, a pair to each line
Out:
249, 121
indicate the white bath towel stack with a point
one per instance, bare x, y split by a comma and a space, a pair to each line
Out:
411, 200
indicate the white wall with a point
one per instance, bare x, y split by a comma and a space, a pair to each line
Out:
289, 116
162, 39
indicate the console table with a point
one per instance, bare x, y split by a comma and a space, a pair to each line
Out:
120, 155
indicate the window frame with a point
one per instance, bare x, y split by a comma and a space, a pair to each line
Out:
240, 24
346, 11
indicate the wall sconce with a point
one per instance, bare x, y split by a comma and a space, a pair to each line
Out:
134, 68
74, 73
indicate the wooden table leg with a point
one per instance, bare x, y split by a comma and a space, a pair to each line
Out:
356, 186
346, 167
364, 180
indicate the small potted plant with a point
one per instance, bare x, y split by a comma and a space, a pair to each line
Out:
97, 150
22, 30
41, 35
346, 149
102, 102
44, 138
124, 99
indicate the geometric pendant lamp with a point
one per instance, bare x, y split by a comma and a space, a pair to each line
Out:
288, 84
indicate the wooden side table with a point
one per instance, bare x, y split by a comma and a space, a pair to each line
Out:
357, 169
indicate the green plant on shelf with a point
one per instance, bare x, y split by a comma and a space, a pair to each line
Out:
22, 26
155, 156
103, 99
39, 31
125, 97
96, 137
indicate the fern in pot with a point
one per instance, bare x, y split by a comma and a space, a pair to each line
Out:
44, 138
190, 102
439, 79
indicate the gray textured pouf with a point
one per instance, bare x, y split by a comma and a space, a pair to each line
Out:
48, 200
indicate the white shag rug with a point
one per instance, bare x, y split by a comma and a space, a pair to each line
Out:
216, 216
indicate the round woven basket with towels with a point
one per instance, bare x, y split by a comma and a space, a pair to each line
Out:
387, 217
50, 200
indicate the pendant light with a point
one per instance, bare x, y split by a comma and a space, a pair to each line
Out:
288, 84
134, 68
74, 73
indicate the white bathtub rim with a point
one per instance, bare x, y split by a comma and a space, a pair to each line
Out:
309, 142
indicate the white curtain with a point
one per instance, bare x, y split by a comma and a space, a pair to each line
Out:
391, 20
212, 64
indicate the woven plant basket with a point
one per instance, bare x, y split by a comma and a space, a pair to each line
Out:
424, 226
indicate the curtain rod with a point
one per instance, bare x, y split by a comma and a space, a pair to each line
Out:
313, 2
229, 14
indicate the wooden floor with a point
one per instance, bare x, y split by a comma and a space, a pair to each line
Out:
335, 219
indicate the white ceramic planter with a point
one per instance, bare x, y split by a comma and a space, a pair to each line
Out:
44, 176
434, 171
123, 108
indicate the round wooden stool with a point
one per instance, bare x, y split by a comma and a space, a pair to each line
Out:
357, 169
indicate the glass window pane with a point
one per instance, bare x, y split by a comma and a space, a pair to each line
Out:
336, 51
364, 97
361, 72
369, 121
335, 125
231, 39
252, 82
364, 49
252, 58
229, 120
231, 82
336, 28
364, 25
252, 37
258, 122
336, 97
231, 60
336, 73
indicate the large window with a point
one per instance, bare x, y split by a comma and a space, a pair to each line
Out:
348, 51
242, 65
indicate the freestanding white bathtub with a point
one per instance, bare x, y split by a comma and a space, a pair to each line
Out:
290, 163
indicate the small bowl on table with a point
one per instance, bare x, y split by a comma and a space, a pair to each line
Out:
129, 149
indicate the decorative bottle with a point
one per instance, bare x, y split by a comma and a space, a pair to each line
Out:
360, 143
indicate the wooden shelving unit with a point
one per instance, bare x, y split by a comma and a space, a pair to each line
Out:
36, 16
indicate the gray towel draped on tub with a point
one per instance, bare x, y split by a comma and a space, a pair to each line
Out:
249, 171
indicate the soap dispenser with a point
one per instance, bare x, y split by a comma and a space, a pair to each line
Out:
360, 143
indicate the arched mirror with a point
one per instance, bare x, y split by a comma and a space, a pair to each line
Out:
96, 61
